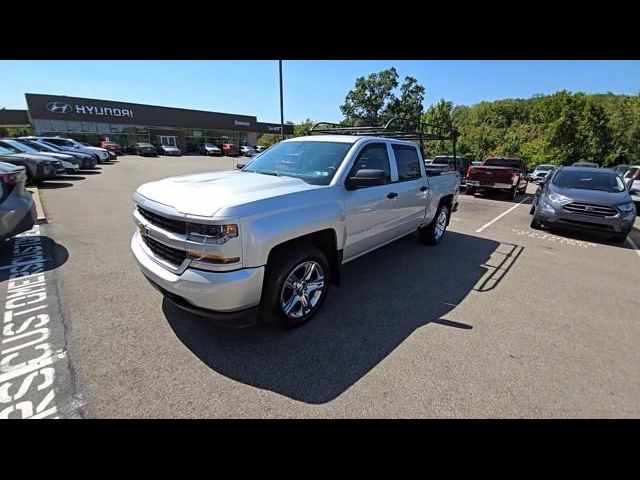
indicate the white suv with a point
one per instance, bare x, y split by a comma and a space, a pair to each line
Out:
69, 144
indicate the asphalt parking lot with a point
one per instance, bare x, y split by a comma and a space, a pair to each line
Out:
496, 321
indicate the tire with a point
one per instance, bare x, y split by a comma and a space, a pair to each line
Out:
286, 267
470, 191
433, 233
513, 192
619, 237
535, 224
524, 189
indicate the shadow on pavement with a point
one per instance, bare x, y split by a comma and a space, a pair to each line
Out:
66, 177
384, 297
90, 172
24, 260
48, 185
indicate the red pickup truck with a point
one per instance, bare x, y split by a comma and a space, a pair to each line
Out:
498, 173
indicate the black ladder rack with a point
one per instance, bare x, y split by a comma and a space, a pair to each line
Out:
399, 128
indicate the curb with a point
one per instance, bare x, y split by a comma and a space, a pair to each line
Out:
35, 193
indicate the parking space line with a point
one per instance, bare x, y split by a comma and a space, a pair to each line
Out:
501, 215
633, 245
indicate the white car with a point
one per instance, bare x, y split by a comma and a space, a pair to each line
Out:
540, 172
102, 154
632, 181
247, 151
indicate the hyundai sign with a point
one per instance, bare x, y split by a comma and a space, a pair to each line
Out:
61, 107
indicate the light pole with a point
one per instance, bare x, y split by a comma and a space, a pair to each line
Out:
281, 107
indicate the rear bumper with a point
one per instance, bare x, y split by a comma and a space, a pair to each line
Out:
17, 215
497, 185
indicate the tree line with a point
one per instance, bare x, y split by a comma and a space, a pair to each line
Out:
561, 128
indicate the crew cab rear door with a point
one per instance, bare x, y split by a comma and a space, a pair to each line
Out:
411, 186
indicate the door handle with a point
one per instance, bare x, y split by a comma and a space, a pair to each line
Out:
424, 189
392, 195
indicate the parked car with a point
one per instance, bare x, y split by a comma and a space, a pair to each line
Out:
622, 169
247, 151
260, 148
169, 150
475, 163
269, 239
17, 208
69, 163
144, 150
209, 149
584, 198
498, 173
586, 164
540, 172
112, 147
38, 167
631, 180
85, 160
230, 150
69, 144
461, 165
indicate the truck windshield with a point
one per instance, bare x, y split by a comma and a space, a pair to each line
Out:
314, 162
604, 181
501, 162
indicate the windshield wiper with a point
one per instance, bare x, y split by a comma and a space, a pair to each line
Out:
273, 174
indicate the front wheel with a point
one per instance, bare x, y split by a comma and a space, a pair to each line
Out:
432, 234
470, 190
535, 224
295, 285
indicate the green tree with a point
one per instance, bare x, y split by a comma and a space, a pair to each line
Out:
373, 100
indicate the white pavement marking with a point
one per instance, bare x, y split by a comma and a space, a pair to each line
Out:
633, 245
501, 215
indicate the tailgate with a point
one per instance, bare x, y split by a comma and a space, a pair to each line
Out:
490, 174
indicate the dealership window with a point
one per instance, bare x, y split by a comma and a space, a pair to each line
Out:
116, 128
103, 128
58, 126
74, 126
88, 127
41, 126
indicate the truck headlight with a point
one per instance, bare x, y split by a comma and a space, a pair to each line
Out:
212, 234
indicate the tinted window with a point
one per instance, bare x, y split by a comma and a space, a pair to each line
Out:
408, 162
604, 181
502, 162
373, 157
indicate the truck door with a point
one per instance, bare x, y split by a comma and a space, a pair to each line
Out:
369, 210
411, 185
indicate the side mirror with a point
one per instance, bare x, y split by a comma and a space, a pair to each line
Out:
366, 178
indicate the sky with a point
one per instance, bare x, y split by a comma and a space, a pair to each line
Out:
312, 88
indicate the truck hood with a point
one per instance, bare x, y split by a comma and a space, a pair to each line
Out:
203, 194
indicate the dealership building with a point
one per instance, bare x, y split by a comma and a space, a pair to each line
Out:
91, 120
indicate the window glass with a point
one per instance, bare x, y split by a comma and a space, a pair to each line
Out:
373, 157
408, 162
58, 126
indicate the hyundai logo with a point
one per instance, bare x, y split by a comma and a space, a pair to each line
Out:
59, 107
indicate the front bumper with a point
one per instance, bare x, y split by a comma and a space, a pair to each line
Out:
560, 218
225, 296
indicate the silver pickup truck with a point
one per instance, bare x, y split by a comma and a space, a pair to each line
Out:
267, 241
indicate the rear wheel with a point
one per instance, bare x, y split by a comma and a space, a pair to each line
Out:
432, 234
295, 285
513, 193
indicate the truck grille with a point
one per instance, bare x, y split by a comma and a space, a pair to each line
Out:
590, 209
171, 255
175, 226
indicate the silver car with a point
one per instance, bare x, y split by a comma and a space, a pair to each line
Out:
17, 208
584, 198
540, 172
69, 163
